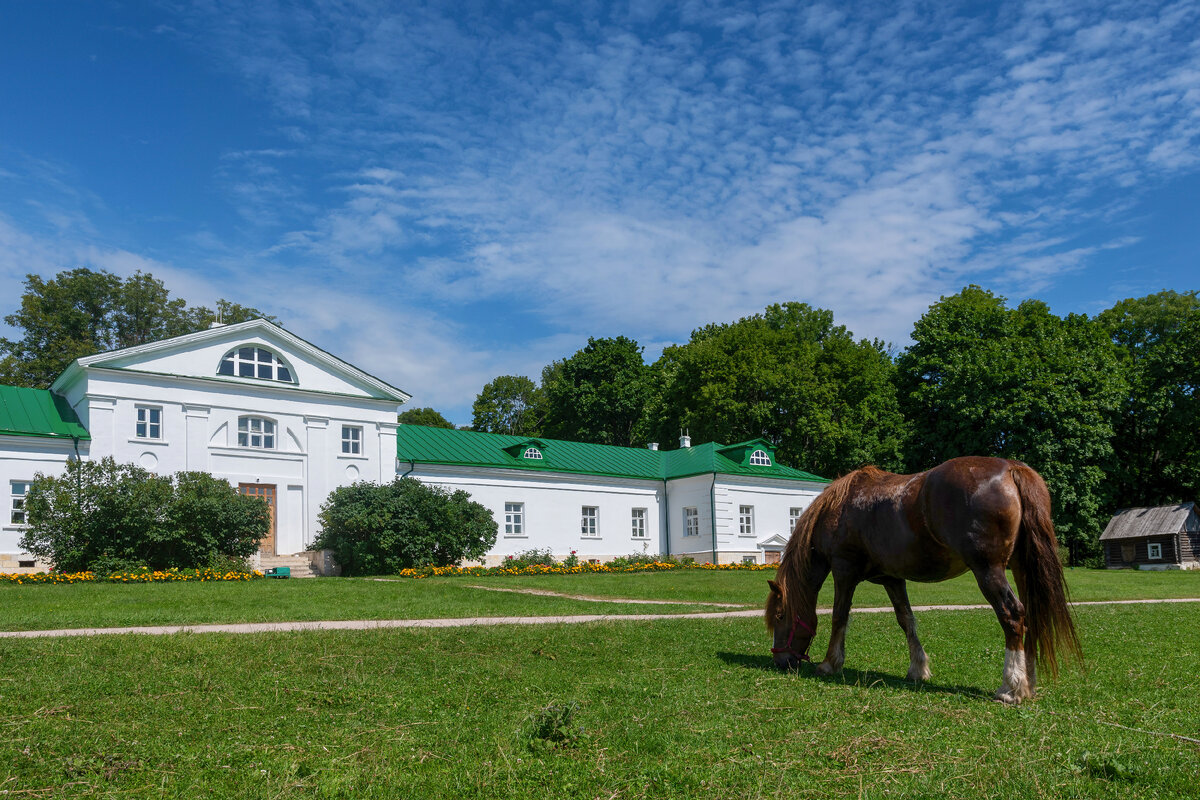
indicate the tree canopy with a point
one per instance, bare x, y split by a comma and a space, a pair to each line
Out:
599, 394
424, 416
790, 376
510, 404
79, 312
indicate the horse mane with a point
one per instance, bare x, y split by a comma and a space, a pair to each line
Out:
793, 564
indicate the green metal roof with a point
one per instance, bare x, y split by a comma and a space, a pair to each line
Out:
426, 445
37, 412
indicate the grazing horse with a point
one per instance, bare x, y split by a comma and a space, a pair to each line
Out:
971, 513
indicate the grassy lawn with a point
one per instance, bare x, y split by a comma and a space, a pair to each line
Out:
88, 605
671, 709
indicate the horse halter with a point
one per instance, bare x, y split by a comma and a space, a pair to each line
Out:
787, 648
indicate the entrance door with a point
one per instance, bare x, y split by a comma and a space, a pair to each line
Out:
266, 493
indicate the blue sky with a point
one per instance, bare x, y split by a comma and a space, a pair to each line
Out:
443, 193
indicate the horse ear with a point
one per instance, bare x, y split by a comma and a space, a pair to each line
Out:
774, 587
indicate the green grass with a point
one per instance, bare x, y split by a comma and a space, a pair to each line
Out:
98, 605
672, 709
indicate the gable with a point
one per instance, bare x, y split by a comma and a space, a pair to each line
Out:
254, 353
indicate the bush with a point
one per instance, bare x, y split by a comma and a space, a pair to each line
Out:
376, 529
111, 517
530, 557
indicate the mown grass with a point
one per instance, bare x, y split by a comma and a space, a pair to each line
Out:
99, 605
682, 708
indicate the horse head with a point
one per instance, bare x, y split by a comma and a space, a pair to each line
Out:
793, 629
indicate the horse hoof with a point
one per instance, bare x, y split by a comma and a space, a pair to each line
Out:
825, 669
916, 675
1006, 697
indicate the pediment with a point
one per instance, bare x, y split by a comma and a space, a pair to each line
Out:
254, 353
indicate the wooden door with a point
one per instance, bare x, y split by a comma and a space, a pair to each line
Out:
267, 494
772, 556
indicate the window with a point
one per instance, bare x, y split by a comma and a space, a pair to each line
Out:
793, 518
256, 432
691, 522
1155, 551
254, 362
749, 559
746, 520
514, 519
587, 524
639, 523
759, 458
17, 489
352, 440
149, 422
533, 453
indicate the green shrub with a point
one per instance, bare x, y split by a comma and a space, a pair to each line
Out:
554, 727
108, 517
376, 529
530, 557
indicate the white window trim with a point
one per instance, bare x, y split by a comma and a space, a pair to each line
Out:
688, 518
357, 443
1154, 551
137, 420
262, 433
794, 514
764, 460
13, 497
517, 518
276, 363
746, 521
593, 518
532, 453
634, 519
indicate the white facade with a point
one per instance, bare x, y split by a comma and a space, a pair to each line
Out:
311, 424
22, 457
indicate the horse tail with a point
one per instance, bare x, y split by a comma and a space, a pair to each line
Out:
1048, 622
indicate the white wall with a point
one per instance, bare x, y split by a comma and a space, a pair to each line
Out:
771, 502
553, 504
21, 458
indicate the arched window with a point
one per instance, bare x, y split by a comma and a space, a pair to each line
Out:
256, 432
534, 453
759, 458
255, 362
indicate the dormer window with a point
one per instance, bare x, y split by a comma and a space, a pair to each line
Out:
759, 458
255, 362
532, 453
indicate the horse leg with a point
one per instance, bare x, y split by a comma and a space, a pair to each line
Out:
1031, 650
994, 585
844, 583
918, 662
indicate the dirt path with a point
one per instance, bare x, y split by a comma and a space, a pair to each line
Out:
361, 625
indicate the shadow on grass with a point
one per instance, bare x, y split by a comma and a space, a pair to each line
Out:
853, 677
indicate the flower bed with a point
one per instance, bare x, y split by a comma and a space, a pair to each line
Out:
158, 576
575, 569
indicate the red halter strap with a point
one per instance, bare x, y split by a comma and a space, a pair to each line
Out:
787, 648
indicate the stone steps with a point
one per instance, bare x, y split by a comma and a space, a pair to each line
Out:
300, 566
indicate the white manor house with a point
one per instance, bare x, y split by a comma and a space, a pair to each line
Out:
283, 420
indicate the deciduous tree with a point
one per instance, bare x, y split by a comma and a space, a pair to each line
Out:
510, 404
599, 394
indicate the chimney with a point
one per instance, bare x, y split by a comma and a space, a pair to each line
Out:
685, 441
652, 446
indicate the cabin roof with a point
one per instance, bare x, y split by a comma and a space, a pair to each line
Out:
1135, 523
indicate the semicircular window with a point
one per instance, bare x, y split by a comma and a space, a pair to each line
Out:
759, 458
532, 452
255, 362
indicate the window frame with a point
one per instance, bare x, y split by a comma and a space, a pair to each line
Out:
280, 370
532, 453
16, 503
250, 433
514, 520
794, 514
1154, 551
143, 422
760, 458
745, 520
355, 442
589, 523
691, 521
637, 518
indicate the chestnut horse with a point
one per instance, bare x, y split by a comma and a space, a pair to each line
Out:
972, 513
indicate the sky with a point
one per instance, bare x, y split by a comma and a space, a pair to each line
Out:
444, 193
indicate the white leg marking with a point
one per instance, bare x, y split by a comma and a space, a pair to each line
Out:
1015, 687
